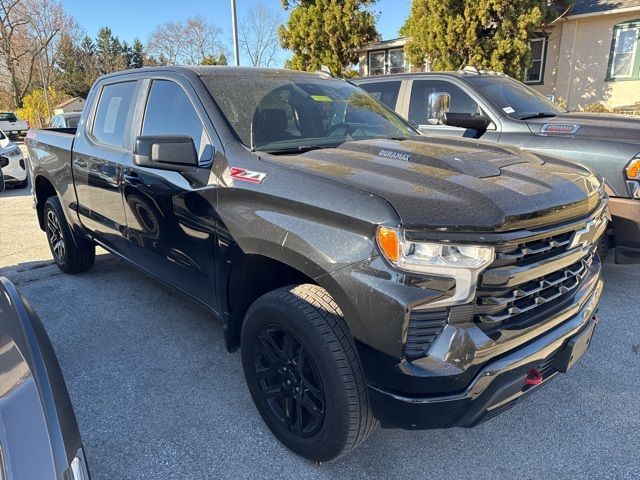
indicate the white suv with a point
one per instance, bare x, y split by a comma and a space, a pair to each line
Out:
12, 163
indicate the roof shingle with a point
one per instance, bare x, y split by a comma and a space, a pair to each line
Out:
594, 6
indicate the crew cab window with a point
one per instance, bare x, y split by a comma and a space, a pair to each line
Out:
419, 103
112, 114
385, 92
170, 112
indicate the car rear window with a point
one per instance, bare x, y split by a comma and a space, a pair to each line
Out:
112, 115
8, 117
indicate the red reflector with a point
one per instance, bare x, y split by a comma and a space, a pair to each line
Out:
534, 377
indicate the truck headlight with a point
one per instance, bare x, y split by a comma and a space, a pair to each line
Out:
462, 262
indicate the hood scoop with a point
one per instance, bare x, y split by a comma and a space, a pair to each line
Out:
475, 162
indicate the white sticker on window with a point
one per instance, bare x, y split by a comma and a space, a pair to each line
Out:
508, 110
112, 115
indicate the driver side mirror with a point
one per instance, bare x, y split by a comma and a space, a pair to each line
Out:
166, 152
437, 105
466, 120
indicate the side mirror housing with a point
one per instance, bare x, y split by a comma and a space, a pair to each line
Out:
466, 120
437, 105
166, 152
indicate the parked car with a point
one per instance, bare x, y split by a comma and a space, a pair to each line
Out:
500, 109
367, 272
65, 120
12, 163
38, 430
13, 127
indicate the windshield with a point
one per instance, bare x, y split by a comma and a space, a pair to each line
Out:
514, 98
8, 117
280, 112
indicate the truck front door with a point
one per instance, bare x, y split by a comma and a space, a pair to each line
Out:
97, 163
461, 102
170, 217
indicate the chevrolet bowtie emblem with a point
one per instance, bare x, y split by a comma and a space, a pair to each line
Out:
587, 234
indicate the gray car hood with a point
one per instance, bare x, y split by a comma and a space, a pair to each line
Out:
594, 126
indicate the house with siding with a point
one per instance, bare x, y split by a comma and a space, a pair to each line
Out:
589, 55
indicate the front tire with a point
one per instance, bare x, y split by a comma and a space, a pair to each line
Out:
71, 253
304, 373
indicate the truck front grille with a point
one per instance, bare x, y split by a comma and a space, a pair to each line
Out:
530, 302
422, 329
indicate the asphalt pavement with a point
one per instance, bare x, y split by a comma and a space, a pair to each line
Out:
158, 397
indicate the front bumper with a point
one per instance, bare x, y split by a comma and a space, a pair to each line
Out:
625, 217
496, 387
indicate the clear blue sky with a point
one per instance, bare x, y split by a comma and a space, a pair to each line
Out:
137, 18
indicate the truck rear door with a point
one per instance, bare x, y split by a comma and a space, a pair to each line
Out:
97, 160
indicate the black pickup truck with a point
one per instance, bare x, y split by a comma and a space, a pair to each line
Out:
494, 107
367, 272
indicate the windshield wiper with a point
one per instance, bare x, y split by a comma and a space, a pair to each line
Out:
291, 150
538, 115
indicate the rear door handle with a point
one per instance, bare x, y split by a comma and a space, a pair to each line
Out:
80, 163
133, 178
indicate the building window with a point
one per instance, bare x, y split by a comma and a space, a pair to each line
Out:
396, 61
377, 63
382, 62
535, 73
624, 62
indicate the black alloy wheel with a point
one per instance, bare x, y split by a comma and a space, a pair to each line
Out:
289, 380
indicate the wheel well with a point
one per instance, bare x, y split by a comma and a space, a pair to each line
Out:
44, 190
252, 276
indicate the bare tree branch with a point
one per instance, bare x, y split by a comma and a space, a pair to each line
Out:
188, 42
258, 36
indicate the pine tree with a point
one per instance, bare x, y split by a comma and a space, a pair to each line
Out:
327, 32
487, 34
137, 54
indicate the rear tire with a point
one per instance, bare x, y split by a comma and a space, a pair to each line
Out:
304, 373
71, 253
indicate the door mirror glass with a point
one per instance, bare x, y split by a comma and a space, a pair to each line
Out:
166, 152
438, 104
466, 120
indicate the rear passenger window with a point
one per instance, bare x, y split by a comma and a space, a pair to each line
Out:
170, 112
113, 114
385, 92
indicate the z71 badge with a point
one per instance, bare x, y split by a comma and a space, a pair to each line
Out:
247, 175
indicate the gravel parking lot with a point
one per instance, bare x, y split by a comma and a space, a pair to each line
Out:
157, 396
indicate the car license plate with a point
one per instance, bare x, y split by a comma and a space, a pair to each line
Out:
14, 132
575, 349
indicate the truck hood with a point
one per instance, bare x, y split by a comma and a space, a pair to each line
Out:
594, 126
449, 184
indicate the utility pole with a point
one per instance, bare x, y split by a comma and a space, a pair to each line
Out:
234, 27
44, 85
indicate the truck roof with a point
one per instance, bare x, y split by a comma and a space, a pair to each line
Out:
217, 70
457, 73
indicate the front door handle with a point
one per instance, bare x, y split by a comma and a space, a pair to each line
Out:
133, 178
80, 163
